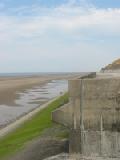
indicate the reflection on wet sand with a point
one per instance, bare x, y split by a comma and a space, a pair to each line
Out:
14, 103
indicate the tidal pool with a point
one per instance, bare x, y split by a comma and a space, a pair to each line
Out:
30, 99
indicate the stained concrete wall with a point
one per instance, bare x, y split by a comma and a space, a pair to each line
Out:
99, 98
63, 115
106, 145
93, 114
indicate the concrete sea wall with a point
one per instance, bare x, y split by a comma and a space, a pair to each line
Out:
93, 116
99, 98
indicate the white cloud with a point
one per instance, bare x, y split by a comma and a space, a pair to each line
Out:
63, 18
47, 32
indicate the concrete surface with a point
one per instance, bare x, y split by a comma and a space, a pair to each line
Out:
93, 114
99, 98
64, 156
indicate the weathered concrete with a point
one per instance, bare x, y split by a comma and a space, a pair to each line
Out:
93, 114
99, 97
63, 115
79, 157
75, 138
107, 75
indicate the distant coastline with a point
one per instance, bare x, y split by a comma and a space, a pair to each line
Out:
30, 74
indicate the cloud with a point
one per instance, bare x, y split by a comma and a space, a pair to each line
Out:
65, 18
41, 34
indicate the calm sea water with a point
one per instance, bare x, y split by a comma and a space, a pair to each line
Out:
33, 74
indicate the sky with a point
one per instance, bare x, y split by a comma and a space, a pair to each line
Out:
58, 35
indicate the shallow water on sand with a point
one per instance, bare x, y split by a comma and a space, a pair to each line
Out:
30, 99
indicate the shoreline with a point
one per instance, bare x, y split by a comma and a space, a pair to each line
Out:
19, 117
10, 86
13, 85
21, 120
36, 129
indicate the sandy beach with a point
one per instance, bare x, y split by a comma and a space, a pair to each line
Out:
21, 94
10, 85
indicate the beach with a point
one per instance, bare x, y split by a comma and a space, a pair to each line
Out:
10, 85
20, 95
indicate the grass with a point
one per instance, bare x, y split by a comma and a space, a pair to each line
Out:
30, 129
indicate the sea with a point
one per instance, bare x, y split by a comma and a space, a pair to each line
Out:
29, 74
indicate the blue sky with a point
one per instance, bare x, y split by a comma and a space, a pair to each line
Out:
58, 36
51, 3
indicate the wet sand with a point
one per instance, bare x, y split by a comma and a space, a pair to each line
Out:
9, 86
21, 95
